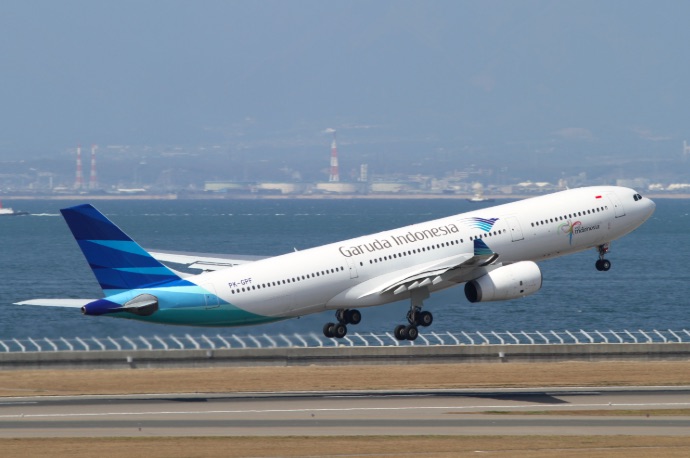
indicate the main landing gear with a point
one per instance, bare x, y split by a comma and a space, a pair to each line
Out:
415, 317
602, 263
344, 316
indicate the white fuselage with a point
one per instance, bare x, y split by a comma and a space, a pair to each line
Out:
352, 273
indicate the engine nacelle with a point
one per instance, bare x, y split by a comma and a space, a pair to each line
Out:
507, 282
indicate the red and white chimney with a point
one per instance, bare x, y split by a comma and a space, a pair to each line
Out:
335, 174
93, 180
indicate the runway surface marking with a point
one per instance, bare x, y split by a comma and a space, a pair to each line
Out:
349, 409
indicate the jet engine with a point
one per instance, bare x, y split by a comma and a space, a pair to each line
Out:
507, 282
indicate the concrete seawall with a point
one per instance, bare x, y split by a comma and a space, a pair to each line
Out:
344, 356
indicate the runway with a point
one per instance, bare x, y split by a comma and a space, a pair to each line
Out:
427, 412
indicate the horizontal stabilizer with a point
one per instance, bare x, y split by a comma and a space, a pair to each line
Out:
70, 303
202, 261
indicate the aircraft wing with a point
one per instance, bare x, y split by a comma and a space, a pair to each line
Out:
203, 261
456, 268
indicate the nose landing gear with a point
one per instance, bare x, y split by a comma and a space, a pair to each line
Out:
603, 264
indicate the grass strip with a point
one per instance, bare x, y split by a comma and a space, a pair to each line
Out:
352, 446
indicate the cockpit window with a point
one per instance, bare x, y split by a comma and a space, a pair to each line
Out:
637, 197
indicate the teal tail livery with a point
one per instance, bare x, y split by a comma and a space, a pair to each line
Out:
492, 251
136, 284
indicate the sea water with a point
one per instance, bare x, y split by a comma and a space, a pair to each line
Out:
648, 286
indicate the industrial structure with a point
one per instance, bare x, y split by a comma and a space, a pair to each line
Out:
79, 180
335, 173
93, 180
79, 184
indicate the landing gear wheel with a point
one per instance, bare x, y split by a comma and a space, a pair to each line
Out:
328, 330
415, 316
400, 332
348, 316
425, 319
411, 332
353, 316
344, 316
603, 265
339, 330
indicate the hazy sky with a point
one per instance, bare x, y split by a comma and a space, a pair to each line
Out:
535, 73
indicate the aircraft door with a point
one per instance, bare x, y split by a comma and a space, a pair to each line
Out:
353, 268
514, 228
617, 204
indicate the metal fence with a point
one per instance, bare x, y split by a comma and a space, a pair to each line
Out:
217, 341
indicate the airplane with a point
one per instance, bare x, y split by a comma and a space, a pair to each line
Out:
494, 251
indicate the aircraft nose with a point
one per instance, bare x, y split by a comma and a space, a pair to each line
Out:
650, 206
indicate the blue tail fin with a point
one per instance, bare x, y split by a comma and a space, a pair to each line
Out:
117, 261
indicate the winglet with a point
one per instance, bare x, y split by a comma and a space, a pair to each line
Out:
118, 262
481, 248
483, 255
